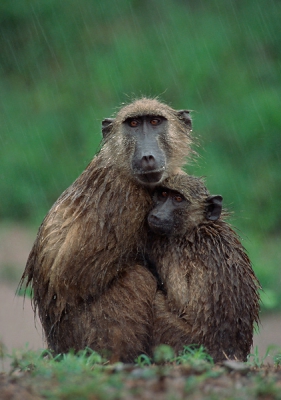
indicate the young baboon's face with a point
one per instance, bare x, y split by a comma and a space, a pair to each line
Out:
170, 214
176, 215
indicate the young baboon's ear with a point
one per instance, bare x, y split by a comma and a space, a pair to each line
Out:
213, 207
184, 115
106, 126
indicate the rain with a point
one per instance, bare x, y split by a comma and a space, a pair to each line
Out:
66, 65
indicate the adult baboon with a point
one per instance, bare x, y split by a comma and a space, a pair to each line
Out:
86, 265
211, 289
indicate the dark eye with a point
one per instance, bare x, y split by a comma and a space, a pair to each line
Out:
178, 198
164, 194
155, 121
134, 123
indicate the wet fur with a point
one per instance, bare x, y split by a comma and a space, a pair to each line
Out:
211, 289
86, 266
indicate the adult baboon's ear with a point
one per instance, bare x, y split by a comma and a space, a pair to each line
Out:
213, 207
106, 126
184, 115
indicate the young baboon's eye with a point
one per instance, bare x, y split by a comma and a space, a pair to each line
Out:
155, 121
133, 123
164, 194
178, 198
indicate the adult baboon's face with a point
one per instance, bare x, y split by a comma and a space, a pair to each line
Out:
148, 140
148, 160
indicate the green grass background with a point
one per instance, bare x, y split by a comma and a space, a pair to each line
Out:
66, 65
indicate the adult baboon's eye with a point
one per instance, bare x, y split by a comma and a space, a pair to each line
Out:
178, 198
155, 121
164, 194
133, 123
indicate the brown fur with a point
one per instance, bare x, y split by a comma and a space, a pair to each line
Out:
212, 291
90, 286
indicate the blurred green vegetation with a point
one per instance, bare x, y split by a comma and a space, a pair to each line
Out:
66, 65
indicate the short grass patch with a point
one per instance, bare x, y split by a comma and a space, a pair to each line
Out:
192, 375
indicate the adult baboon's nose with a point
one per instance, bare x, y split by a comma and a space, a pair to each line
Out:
148, 163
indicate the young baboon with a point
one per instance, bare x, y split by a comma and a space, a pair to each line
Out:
86, 267
211, 289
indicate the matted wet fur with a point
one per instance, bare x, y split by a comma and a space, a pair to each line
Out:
86, 267
211, 290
